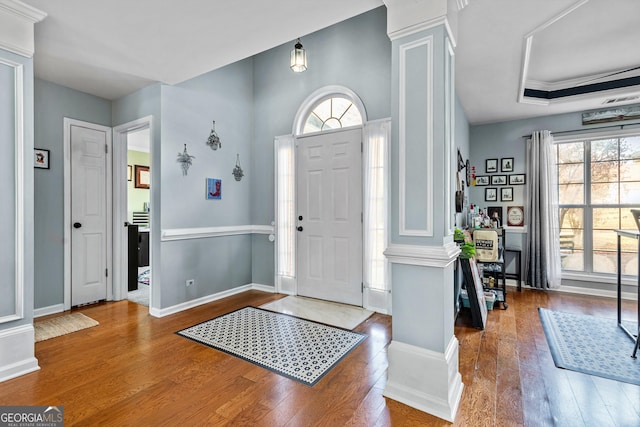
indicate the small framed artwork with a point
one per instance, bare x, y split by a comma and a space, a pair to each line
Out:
214, 189
517, 179
491, 165
143, 176
515, 216
498, 179
506, 194
495, 212
129, 173
40, 158
491, 194
482, 180
506, 164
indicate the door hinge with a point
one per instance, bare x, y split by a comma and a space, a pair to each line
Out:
362, 287
106, 272
361, 217
106, 149
361, 147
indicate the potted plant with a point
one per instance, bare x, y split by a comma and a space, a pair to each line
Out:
458, 236
467, 250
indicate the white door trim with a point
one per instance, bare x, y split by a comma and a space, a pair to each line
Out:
67, 206
120, 249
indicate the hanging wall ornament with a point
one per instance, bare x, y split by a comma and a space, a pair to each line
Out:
214, 141
237, 171
185, 160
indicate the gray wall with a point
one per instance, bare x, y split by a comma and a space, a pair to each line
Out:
216, 264
142, 103
461, 136
53, 104
356, 54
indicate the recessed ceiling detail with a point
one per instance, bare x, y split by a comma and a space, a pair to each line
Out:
559, 65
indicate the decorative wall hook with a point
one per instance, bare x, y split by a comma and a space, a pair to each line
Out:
185, 160
237, 171
214, 141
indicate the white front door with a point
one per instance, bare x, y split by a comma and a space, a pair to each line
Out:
329, 216
89, 213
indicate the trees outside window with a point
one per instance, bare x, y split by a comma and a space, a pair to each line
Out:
599, 182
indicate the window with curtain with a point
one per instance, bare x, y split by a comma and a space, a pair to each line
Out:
598, 182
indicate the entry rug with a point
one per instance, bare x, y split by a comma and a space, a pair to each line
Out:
58, 326
298, 349
591, 345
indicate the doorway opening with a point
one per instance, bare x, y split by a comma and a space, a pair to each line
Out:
133, 210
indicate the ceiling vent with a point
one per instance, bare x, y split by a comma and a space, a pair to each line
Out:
621, 99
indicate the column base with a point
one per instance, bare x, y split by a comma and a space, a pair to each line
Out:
17, 352
423, 379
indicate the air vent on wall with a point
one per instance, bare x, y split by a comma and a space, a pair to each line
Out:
621, 99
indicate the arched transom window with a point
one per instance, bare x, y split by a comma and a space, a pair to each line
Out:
332, 113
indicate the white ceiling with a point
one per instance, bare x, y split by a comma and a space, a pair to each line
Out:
112, 48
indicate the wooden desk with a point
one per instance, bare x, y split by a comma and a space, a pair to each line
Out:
633, 235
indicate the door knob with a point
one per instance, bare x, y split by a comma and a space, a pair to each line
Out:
77, 225
300, 218
299, 228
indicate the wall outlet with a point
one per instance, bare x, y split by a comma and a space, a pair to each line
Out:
190, 282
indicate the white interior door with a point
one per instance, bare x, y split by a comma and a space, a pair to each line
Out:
89, 214
329, 214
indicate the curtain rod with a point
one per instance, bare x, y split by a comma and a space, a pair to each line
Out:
589, 130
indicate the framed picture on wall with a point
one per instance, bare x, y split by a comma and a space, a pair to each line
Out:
498, 179
495, 212
143, 176
506, 194
490, 194
482, 180
214, 189
129, 173
506, 164
517, 179
40, 158
491, 165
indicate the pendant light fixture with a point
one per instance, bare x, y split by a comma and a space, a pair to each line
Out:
298, 58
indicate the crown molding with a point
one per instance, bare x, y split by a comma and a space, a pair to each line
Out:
16, 27
426, 256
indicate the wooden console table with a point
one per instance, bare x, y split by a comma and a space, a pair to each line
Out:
634, 235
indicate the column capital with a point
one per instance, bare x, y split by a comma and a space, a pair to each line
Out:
406, 17
17, 20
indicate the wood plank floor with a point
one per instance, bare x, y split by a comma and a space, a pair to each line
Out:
133, 370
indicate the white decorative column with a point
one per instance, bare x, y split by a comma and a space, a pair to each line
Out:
423, 355
16, 188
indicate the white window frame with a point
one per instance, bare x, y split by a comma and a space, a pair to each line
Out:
588, 274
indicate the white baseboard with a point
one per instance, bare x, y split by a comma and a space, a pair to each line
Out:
17, 347
587, 291
45, 311
207, 299
425, 379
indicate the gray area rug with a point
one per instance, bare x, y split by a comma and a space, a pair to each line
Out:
62, 325
298, 349
591, 345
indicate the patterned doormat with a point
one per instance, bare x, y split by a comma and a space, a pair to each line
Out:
591, 345
298, 349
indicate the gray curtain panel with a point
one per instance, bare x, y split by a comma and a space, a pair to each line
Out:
543, 268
